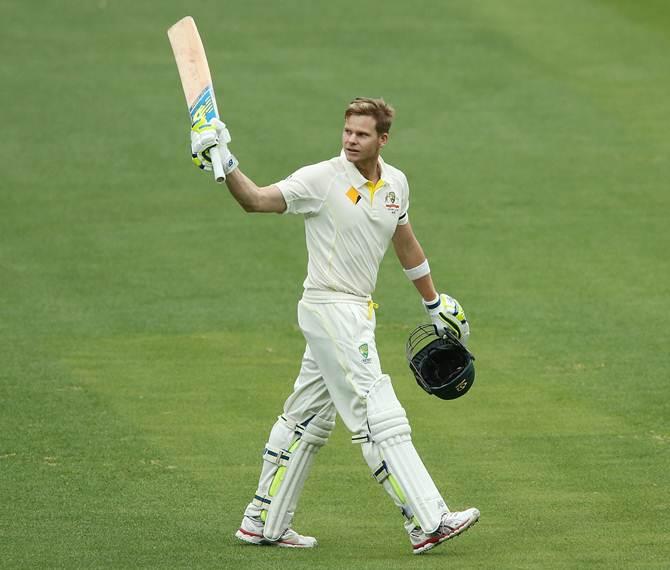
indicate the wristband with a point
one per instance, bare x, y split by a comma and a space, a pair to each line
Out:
418, 272
432, 305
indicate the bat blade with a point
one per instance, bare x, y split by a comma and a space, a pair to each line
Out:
196, 79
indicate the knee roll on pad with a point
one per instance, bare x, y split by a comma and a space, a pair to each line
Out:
290, 478
392, 423
390, 430
386, 417
318, 431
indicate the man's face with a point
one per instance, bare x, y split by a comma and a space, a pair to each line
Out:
360, 140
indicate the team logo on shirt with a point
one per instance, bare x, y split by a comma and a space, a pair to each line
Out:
390, 200
363, 349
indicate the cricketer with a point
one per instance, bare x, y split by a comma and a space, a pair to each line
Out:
353, 206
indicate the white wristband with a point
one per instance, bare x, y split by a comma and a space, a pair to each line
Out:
418, 272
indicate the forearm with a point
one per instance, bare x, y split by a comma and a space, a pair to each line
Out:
244, 190
424, 285
445, 312
411, 256
251, 197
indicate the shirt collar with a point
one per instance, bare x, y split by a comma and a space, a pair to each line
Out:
355, 177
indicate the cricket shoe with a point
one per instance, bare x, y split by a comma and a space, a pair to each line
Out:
251, 531
452, 525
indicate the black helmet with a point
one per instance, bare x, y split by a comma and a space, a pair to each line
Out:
441, 365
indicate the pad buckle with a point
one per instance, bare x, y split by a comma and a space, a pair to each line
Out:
361, 438
261, 502
381, 472
276, 456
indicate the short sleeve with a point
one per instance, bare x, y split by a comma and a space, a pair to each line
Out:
403, 217
304, 191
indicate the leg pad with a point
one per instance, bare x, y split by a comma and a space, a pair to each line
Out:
390, 430
289, 480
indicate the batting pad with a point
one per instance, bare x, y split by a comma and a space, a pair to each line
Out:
291, 479
390, 430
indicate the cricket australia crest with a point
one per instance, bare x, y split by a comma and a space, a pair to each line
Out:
390, 202
363, 349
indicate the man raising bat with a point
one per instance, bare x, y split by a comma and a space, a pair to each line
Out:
354, 205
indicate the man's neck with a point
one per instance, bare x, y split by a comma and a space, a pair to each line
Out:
370, 169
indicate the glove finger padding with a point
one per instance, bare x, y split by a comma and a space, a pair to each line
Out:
222, 131
202, 140
204, 136
202, 161
447, 313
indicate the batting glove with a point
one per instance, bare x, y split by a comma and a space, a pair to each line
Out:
446, 313
206, 135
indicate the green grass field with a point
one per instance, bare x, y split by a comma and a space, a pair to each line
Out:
148, 334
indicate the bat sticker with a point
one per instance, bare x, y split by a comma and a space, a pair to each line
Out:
203, 110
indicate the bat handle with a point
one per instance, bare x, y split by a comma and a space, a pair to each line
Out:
217, 165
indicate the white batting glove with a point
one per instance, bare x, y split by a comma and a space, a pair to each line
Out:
446, 313
206, 135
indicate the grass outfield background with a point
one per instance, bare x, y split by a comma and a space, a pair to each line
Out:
147, 325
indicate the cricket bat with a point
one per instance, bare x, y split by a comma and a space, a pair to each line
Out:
196, 80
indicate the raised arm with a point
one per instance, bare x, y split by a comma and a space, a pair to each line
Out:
253, 198
249, 195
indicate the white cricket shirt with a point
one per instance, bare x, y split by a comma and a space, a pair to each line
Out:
349, 222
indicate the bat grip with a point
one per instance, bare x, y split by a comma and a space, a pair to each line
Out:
217, 165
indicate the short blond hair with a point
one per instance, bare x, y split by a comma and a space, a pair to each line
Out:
378, 109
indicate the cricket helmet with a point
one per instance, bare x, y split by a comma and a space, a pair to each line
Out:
441, 365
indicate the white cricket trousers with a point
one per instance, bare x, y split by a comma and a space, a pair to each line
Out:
339, 367
340, 363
